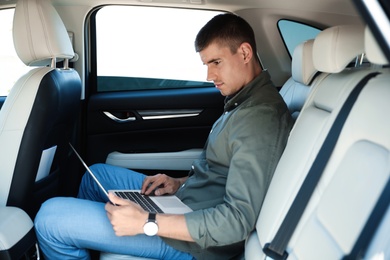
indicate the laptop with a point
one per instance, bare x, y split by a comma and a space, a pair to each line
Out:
157, 204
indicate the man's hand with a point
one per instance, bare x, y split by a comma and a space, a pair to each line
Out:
126, 217
161, 184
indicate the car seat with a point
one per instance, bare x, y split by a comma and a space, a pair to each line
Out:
38, 117
328, 227
297, 87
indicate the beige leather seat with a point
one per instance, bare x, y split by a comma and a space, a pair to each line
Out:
296, 89
36, 123
380, 244
111, 256
353, 177
38, 117
17, 234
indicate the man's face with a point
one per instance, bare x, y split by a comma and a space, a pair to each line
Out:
228, 71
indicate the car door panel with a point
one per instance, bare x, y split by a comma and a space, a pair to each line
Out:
150, 121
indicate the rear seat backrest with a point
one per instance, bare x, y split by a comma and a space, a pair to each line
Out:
332, 52
39, 115
380, 244
352, 181
297, 88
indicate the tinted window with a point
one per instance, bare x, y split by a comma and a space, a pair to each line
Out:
148, 48
293, 33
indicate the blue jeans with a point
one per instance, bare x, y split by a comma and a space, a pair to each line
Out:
67, 227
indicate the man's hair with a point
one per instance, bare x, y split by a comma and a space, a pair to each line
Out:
227, 30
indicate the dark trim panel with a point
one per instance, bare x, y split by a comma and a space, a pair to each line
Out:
2, 100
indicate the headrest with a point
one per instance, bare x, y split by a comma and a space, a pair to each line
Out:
373, 51
335, 47
303, 69
39, 33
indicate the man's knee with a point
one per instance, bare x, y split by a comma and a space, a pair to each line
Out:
98, 166
51, 210
97, 170
45, 217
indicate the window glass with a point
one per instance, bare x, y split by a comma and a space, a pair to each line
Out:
11, 67
148, 48
293, 33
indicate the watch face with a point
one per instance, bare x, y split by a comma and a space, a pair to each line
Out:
150, 228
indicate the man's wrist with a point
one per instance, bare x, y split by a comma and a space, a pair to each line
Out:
182, 180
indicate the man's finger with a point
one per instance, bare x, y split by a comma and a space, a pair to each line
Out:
147, 182
116, 200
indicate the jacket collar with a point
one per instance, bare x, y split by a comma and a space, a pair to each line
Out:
231, 102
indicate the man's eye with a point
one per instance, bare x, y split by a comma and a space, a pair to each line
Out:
217, 62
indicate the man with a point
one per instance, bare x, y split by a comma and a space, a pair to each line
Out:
225, 187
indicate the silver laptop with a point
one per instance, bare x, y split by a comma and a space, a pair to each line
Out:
159, 204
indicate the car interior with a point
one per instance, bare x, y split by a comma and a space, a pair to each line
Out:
116, 79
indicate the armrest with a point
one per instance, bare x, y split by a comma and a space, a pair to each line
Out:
155, 161
16, 233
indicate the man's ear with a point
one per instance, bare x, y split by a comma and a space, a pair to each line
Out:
246, 51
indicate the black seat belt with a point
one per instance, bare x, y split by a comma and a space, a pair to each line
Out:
359, 249
277, 248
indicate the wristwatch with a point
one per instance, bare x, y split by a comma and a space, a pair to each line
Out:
151, 227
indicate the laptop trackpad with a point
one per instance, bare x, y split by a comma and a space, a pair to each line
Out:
171, 204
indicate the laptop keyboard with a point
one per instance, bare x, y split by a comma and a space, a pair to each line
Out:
144, 201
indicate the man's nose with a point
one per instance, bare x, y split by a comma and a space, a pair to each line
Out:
211, 76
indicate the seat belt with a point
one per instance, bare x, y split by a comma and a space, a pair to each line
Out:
277, 248
359, 249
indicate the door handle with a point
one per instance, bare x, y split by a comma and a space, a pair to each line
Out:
119, 120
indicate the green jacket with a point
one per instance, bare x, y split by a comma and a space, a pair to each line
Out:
228, 183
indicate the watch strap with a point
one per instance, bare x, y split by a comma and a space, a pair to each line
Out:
151, 217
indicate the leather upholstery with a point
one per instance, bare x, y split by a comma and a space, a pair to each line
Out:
40, 111
335, 47
297, 88
373, 52
39, 33
303, 70
111, 256
16, 233
346, 192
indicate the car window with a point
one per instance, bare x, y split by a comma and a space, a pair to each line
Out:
293, 33
148, 48
11, 67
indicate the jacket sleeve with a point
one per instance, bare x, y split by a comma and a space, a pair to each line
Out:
256, 144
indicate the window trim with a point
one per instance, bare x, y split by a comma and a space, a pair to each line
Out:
91, 77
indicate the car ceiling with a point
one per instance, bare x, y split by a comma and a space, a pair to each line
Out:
344, 7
